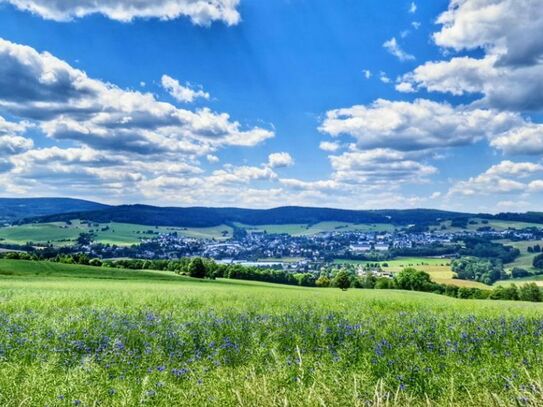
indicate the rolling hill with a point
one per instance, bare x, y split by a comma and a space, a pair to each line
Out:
14, 209
208, 217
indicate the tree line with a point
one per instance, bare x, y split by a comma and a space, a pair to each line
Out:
408, 279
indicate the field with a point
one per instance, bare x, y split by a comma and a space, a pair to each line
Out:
72, 335
121, 234
498, 225
439, 269
313, 229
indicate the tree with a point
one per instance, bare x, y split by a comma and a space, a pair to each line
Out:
518, 272
197, 269
538, 261
412, 279
322, 281
530, 292
342, 280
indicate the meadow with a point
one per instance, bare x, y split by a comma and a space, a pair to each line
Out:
302, 229
73, 335
439, 269
120, 234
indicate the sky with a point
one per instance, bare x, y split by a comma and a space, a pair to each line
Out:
249, 103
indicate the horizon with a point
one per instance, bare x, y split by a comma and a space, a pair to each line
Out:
261, 208
345, 105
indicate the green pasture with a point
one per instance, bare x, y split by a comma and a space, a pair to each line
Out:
75, 335
313, 229
121, 234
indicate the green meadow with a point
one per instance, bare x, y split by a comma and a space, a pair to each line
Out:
439, 269
301, 229
121, 234
76, 335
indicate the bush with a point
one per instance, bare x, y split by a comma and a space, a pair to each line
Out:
538, 262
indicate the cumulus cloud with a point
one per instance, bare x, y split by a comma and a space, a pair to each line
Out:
280, 160
509, 75
183, 94
379, 166
503, 178
500, 87
201, 12
412, 7
394, 48
418, 125
509, 28
11, 139
69, 105
329, 146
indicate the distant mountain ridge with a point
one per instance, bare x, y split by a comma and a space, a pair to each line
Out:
25, 210
14, 209
207, 217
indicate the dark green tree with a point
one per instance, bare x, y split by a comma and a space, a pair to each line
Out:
342, 280
530, 292
538, 262
197, 269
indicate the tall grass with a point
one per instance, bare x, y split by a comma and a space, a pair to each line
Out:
90, 342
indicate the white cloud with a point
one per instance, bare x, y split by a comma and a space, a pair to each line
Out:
184, 94
68, 104
329, 146
412, 8
524, 140
509, 75
508, 28
212, 158
416, 25
379, 167
418, 125
502, 87
502, 178
394, 48
383, 77
367, 73
201, 12
279, 160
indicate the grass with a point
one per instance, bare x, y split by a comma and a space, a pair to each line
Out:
121, 234
69, 336
439, 269
313, 229
498, 225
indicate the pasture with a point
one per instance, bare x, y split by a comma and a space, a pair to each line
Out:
120, 234
439, 269
313, 229
71, 337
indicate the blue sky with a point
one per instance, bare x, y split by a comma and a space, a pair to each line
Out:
357, 104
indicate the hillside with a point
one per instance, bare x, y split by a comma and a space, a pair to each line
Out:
208, 217
14, 209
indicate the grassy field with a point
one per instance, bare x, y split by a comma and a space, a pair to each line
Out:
498, 225
439, 269
121, 234
69, 336
313, 229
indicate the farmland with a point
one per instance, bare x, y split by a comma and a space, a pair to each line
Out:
439, 269
312, 229
72, 337
121, 234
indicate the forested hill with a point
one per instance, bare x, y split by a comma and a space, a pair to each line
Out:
13, 209
203, 217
